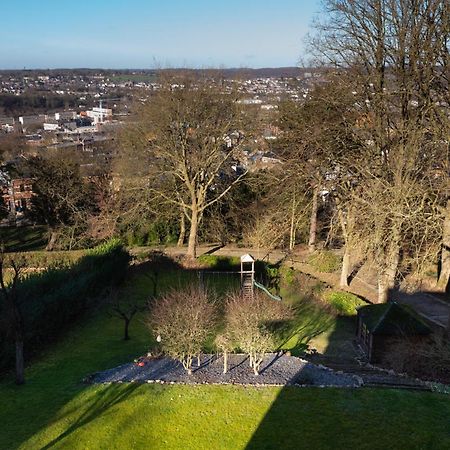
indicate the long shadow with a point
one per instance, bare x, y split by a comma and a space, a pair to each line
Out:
312, 418
54, 378
355, 270
296, 416
110, 397
301, 330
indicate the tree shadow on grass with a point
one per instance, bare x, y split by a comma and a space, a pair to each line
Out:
104, 400
331, 418
308, 322
338, 418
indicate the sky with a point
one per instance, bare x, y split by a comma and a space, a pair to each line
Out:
149, 33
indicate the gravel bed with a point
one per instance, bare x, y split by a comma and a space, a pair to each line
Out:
276, 369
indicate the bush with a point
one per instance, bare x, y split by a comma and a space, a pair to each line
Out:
56, 298
248, 325
287, 275
43, 259
344, 303
156, 233
184, 320
428, 360
220, 262
325, 261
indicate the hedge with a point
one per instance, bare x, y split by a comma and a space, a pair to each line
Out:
56, 298
44, 259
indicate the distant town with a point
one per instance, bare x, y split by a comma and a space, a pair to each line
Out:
82, 110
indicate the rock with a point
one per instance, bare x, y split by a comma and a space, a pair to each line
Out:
276, 370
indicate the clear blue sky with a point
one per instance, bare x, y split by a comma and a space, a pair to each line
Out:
149, 33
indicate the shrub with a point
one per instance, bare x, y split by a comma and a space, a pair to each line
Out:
428, 360
248, 323
325, 261
184, 320
155, 233
288, 275
344, 303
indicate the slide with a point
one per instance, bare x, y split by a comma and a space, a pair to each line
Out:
264, 289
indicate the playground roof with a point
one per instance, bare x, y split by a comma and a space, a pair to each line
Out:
247, 258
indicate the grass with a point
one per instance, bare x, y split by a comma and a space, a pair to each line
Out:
55, 410
23, 239
314, 326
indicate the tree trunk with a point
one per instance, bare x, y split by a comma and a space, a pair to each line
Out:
192, 243
386, 279
126, 335
51, 242
313, 221
20, 367
225, 362
444, 274
292, 227
182, 235
389, 267
346, 258
383, 290
345, 268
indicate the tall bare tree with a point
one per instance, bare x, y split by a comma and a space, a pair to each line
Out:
397, 54
187, 134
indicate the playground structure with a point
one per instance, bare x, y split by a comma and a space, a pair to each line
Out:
244, 279
247, 275
248, 282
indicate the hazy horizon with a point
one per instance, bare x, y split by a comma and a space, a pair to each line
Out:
149, 35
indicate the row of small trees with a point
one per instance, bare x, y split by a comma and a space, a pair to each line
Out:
186, 320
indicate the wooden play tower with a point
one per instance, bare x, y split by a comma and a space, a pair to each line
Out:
247, 275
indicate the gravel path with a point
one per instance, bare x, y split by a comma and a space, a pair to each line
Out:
276, 369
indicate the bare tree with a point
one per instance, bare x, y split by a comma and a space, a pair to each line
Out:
316, 135
125, 305
444, 275
225, 345
62, 199
184, 319
397, 54
188, 132
248, 324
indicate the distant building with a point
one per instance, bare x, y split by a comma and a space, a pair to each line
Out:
65, 115
33, 120
250, 101
7, 121
49, 126
100, 115
17, 194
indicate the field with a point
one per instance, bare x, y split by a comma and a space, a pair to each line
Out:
56, 410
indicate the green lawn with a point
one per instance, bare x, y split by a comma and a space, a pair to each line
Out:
23, 239
55, 410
